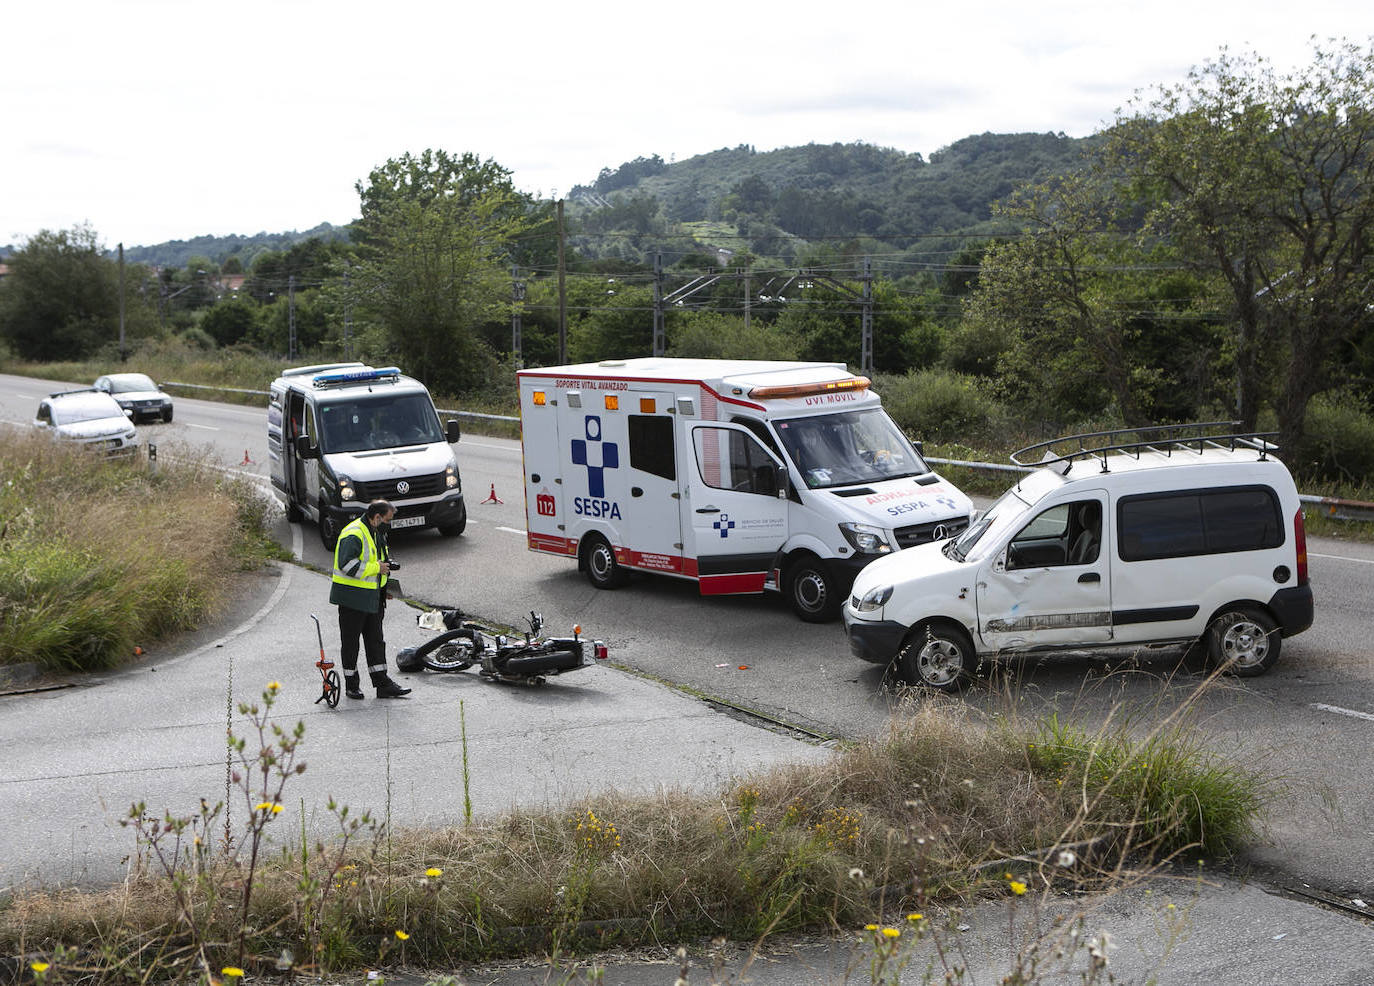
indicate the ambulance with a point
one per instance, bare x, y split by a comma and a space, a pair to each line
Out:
742, 475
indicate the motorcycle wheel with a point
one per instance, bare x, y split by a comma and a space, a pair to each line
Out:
457, 654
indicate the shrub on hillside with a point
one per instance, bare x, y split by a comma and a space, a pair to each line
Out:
940, 405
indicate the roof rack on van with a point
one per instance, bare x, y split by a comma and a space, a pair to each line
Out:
364, 374
1165, 439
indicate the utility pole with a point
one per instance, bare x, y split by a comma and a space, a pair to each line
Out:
123, 353
866, 355
517, 295
348, 319
747, 293
562, 291
660, 344
291, 316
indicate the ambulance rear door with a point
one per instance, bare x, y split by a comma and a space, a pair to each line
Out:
732, 507
545, 502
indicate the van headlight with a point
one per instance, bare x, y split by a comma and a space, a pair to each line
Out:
865, 539
346, 490
451, 476
875, 598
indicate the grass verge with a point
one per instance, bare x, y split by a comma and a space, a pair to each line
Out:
98, 556
945, 807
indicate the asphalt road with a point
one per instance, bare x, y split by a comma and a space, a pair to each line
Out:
1309, 724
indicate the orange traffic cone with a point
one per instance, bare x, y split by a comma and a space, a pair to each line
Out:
492, 497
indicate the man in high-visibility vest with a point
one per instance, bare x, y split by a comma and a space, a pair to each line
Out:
361, 566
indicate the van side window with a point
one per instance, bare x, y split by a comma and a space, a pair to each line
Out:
760, 429
732, 460
1065, 534
1199, 522
651, 445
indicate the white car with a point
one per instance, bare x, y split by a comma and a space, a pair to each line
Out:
137, 395
1177, 536
89, 417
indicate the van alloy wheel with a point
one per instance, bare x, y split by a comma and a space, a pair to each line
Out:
1244, 642
936, 656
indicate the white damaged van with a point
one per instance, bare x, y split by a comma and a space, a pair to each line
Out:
1143, 538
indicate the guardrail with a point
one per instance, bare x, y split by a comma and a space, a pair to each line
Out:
1332, 506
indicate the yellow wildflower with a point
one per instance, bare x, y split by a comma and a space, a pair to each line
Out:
870, 927
434, 871
231, 970
891, 933
917, 916
39, 966
401, 934
274, 686
1018, 888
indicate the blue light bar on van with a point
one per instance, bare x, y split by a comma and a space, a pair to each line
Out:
355, 376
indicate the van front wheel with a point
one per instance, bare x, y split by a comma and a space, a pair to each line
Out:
937, 656
598, 561
811, 591
1244, 642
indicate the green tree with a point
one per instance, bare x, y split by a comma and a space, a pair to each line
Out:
1266, 181
230, 321
434, 237
61, 298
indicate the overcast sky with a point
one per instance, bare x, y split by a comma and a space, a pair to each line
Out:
167, 119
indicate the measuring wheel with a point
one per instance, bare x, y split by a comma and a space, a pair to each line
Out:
331, 689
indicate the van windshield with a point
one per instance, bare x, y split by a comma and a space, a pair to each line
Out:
383, 421
849, 447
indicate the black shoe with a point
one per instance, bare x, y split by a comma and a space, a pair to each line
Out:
389, 689
353, 691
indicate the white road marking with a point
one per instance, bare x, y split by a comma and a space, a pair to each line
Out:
1344, 712
511, 530
499, 448
1362, 561
192, 424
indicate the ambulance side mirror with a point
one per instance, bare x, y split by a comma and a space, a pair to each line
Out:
305, 448
451, 432
781, 481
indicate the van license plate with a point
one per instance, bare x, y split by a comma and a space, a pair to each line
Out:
407, 522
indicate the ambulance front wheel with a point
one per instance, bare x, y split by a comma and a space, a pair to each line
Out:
811, 590
598, 561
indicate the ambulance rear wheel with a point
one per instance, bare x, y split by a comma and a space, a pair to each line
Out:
811, 590
598, 561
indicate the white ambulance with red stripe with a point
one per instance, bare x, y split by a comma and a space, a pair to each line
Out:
742, 475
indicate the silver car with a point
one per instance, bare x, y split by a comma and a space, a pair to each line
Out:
137, 395
89, 417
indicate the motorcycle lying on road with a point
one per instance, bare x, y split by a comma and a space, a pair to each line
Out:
524, 659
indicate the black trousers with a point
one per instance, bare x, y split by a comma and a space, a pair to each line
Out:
355, 624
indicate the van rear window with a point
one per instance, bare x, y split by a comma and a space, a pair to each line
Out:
1198, 522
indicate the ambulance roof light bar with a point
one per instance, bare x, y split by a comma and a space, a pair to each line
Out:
809, 389
365, 375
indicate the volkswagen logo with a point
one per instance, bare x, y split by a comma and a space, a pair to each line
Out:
940, 533
403, 488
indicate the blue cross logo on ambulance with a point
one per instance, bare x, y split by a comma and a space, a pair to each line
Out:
596, 456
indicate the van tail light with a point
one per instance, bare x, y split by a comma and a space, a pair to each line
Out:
599, 650
1300, 541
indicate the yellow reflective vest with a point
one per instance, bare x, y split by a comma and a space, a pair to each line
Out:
361, 589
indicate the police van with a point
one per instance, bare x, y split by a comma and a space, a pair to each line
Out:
342, 434
1155, 537
743, 476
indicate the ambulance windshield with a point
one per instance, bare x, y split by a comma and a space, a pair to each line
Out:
848, 448
385, 421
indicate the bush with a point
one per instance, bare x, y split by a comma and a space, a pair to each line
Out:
1339, 443
940, 406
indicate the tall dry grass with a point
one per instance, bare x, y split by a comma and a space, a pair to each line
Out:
945, 807
98, 555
